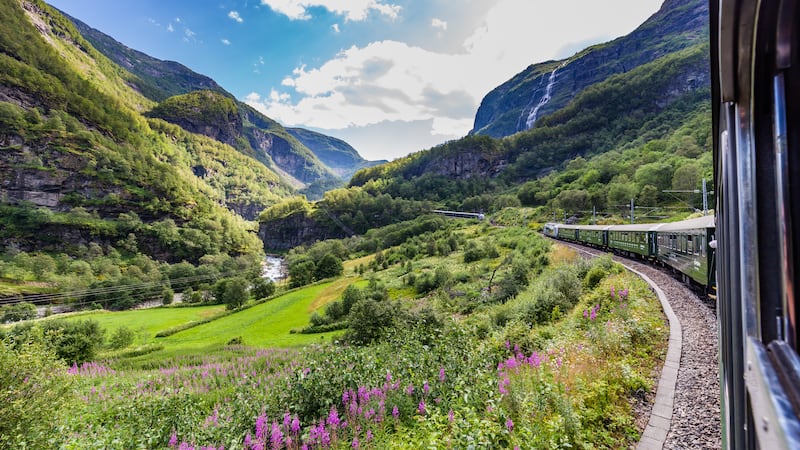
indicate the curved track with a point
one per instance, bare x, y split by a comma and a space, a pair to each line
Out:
695, 415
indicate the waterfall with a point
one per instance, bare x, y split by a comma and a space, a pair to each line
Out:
548, 91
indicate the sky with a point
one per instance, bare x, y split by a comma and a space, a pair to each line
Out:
390, 77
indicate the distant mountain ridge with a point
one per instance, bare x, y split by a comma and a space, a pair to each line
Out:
633, 102
337, 154
678, 24
314, 159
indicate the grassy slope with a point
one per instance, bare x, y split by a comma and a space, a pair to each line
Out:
150, 321
265, 325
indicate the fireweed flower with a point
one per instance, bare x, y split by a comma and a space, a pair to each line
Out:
421, 408
173, 440
295, 428
425, 387
276, 437
441, 374
451, 416
395, 412
333, 417
410, 389
510, 425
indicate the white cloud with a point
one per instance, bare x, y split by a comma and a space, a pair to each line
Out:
169, 28
225, 41
335, 28
354, 10
438, 23
392, 82
235, 16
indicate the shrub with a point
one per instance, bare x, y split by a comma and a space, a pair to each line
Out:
368, 321
262, 288
35, 387
167, 295
74, 342
593, 277
17, 312
327, 267
121, 338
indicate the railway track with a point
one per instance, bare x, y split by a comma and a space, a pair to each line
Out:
695, 418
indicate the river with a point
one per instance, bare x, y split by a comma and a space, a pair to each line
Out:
274, 268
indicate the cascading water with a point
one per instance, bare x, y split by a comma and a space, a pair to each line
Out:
548, 94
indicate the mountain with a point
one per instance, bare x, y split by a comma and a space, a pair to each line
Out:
541, 89
337, 154
154, 78
231, 122
80, 164
256, 135
644, 104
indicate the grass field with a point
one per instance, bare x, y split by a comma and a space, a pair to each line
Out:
265, 325
147, 322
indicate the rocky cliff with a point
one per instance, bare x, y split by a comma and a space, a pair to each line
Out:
510, 107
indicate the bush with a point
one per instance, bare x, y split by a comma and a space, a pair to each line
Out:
167, 295
327, 267
74, 342
232, 292
262, 288
17, 312
121, 338
593, 277
35, 387
368, 321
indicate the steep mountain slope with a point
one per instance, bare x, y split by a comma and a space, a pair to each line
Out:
250, 132
627, 109
544, 88
337, 154
154, 78
80, 164
231, 122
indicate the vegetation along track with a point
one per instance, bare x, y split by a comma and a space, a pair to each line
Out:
696, 409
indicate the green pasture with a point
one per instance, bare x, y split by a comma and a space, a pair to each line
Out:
266, 325
147, 322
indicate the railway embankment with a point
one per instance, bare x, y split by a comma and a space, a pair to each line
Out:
694, 419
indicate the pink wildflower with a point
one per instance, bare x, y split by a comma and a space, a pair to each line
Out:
173, 440
395, 412
451, 416
510, 425
441, 374
421, 408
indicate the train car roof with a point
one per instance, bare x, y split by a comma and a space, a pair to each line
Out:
595, 227
635, 227
698, 222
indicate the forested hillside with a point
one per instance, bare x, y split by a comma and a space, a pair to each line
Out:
306, 159
79, 160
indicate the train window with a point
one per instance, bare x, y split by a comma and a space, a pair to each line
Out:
689, 245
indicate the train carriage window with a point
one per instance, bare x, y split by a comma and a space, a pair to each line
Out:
690, 244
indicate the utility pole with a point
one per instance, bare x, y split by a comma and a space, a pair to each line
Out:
705, 198
594, 214
632, 220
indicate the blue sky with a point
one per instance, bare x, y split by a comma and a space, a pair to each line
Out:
389, 76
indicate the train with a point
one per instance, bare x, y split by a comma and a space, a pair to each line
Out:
687, 247
755, 102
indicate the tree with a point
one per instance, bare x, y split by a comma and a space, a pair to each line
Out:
368, 321
573, 200
648, 196
17, 312
686, 178
301, 273
327, 267
262, 288
232, 292
121, 338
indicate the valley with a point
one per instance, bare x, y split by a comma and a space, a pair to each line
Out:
375, 323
